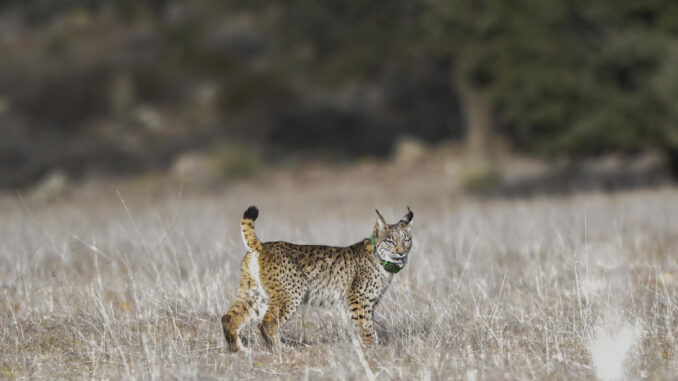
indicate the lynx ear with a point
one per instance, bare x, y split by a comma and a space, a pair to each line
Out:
407, 219
380, 226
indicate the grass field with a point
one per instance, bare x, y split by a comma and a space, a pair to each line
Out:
131, 284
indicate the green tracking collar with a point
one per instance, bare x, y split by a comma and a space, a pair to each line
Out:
391, 267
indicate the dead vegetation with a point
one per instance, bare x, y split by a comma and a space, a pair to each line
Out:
131, 284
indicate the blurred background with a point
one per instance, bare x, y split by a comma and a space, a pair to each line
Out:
520, 97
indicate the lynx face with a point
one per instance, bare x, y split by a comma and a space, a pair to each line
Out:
392, 243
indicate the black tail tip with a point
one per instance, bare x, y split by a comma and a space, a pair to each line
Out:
252, 213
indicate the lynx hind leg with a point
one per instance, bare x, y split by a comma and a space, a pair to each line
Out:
249, 305
279, 311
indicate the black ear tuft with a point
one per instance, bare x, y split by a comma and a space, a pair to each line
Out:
379, 214
251, 213
408, 217
381, 222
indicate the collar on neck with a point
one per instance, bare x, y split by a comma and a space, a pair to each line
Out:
388, 266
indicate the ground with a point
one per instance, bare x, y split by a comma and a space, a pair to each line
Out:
120, 281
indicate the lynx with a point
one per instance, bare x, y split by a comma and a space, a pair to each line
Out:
276, 277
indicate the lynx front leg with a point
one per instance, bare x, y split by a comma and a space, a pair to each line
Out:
362, 314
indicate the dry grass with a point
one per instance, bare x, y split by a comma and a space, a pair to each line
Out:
133, 285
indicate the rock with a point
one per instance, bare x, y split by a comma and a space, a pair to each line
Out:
409, 151
53, 185
149, 118
194, 168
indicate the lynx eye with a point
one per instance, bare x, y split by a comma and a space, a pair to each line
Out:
407, 240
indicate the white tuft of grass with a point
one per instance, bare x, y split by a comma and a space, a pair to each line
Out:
610, 349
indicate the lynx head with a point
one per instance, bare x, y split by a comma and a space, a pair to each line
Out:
392, 243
